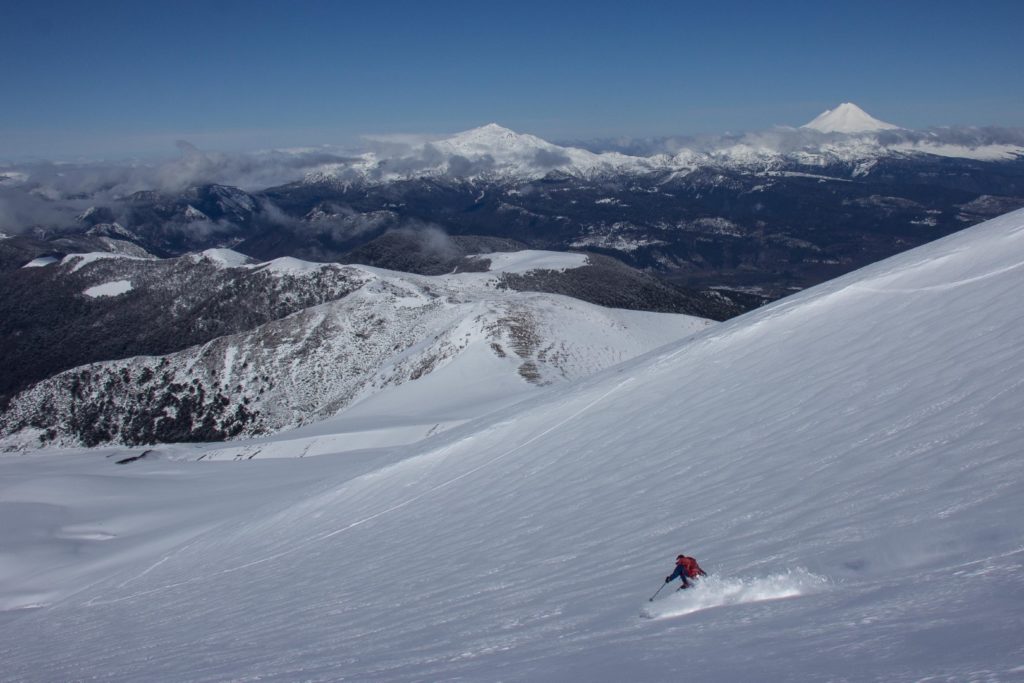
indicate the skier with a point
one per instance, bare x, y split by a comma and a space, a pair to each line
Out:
686, 569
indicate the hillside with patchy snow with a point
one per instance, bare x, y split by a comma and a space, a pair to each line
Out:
103, 306
845, 463
333, 336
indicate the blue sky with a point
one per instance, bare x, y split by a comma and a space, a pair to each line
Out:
107, 79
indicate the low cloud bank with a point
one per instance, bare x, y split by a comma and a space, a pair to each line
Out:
54, 193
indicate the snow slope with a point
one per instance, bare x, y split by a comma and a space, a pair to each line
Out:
845, 462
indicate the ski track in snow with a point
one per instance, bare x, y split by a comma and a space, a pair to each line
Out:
711, 592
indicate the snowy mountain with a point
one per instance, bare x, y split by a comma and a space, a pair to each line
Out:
845, 134
847, 118
490, 151
845, 463
749, 216
332, 336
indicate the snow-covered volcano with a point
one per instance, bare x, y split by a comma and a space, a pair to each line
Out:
490, 151
505, 152
845, 463
493, 139
847, 118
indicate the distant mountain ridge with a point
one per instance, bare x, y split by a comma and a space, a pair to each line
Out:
260, 347
748, 217
846, 133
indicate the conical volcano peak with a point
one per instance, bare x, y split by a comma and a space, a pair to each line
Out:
492, 132
847, 118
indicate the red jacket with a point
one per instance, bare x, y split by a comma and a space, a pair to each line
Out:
690, 566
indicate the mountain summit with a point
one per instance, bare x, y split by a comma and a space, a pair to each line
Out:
847, 118
492, 135
503, 144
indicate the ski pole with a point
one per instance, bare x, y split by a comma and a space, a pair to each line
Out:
658, 591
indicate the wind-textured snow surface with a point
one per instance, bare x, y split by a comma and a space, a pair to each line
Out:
846, 463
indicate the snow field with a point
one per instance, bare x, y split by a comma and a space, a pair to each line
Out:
41, 262
115, 288
845, 463
530, 259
